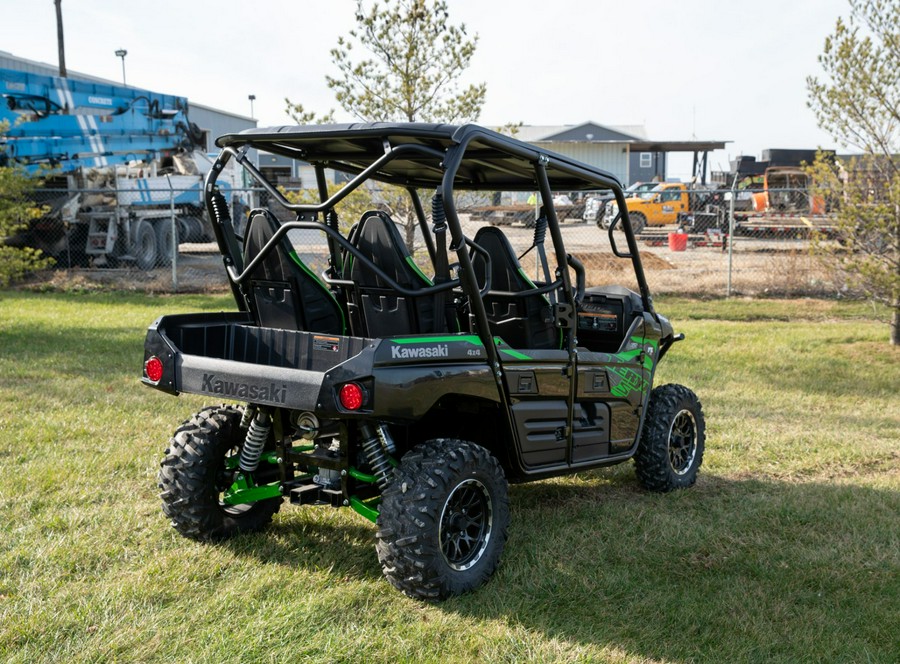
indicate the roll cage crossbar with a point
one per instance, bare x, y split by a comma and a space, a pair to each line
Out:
463, 156
366, 174
284, 229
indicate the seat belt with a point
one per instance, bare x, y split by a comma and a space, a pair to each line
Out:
540, 232
443, 309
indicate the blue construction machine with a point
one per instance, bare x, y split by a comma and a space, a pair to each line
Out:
120, 169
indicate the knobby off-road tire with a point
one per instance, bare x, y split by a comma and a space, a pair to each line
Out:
443, 520
192, 478
671, 448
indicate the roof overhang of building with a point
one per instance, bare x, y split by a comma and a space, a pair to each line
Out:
676, 146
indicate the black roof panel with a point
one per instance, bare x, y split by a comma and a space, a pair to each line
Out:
491, 161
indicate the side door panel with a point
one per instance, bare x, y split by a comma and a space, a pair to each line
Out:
538, 386
612, 385
609, 398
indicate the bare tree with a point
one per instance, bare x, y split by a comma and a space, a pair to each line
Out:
858, 102
402, 63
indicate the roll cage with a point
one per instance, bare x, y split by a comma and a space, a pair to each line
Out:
418, 156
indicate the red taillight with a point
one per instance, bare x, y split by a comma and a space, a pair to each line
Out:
154, 369
351, 396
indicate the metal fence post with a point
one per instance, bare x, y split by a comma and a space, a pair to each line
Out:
731, 235
174, 235
118, 217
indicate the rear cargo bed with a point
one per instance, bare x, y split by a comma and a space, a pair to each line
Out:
226, 356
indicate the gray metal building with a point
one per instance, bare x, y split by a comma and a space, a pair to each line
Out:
624, 151
591, 143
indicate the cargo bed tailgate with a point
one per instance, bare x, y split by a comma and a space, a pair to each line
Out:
224, 355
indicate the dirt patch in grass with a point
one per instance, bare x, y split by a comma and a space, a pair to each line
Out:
603, 261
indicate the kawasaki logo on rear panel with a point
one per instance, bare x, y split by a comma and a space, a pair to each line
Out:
271, 392
422, 352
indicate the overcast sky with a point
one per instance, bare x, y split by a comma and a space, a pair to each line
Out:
714, 70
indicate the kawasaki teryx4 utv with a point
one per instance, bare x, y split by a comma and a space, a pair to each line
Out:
411, 394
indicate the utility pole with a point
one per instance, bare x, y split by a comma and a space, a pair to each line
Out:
121, 53
59, 38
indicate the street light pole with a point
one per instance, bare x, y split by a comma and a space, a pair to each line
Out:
59, 39
251, 98
121, 53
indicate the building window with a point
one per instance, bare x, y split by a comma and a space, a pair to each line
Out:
646, 159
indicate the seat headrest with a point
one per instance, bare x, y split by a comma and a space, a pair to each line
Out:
379, 239
261, 229
506, 271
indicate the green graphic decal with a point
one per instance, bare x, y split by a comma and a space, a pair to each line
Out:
638, 346
631, 381
509, 351
467, 338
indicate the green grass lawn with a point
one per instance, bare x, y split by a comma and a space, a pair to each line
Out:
787, 549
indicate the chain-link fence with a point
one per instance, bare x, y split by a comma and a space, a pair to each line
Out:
126, 238
697, 241
692, 241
